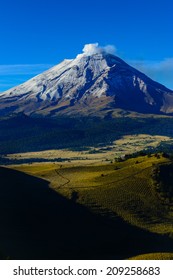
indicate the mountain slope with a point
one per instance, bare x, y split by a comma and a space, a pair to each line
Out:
87, 85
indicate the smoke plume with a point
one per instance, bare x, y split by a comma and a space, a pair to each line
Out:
90, 49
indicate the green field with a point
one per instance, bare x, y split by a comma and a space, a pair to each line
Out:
111, 209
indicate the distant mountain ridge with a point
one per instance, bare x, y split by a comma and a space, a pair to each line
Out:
88, 85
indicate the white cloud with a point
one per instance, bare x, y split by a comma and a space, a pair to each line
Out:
90, 49
13, 75
110, 49
23, 69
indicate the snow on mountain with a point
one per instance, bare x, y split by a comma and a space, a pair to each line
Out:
94, 81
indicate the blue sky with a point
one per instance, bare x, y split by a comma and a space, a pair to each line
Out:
37, 34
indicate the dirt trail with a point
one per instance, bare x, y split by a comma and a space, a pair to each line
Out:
65, 178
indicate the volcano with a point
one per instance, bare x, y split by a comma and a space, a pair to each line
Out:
91, 84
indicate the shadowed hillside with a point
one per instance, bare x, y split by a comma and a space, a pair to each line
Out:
38, 223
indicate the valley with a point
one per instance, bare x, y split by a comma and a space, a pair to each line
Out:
127, 145
120, 213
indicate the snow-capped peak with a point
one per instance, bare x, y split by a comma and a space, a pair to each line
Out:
94, 80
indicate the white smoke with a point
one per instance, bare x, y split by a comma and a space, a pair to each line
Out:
90, 49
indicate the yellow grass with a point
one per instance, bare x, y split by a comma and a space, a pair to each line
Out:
125, 189
154, 256
128, 144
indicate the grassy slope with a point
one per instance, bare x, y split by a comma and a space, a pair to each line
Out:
120, 192
124, 188
154, 256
